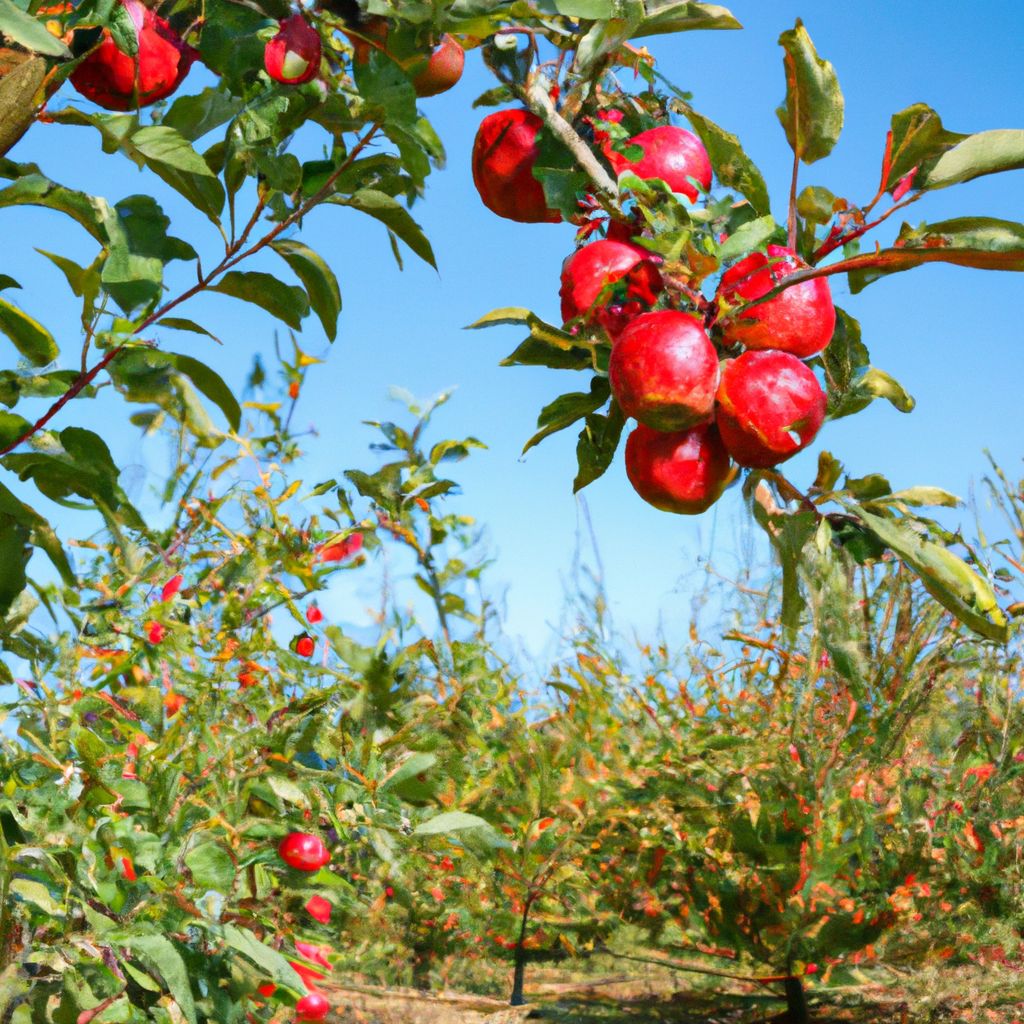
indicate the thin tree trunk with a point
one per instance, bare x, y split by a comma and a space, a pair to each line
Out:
796, 1002
519, 973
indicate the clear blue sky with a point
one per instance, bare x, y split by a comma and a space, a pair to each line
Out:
951, 335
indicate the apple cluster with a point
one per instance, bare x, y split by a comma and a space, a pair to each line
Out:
117, 80
709, 387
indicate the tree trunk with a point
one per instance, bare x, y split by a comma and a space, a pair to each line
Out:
519, 973
796, 1002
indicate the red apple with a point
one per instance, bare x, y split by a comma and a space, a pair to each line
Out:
683, 471
590, 273
115, 80
672, 154
799, 320
504, 152
319, 908
770, 406
293, 55
303, 851
664, 370
313, 1006
305, 646
443, 68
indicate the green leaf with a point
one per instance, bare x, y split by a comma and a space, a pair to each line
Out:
752, 235
14, 555
21, 92
24, 30
318, 279
732, 165
449, 821
12, 427
195, 115
171, 157
162, 958
210, 384
567, 409
40, 533
1001, 149
596, 447
945, 576
178, 323
816, 204
34, 189
918, 140
664, 16
925, 496
275, 966
30, 338
38, 894
812, 114
391, 213
288, 303
212, 867
547, 345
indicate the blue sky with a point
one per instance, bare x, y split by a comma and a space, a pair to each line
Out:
952, 336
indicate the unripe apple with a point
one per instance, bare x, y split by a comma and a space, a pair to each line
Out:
683, 471
672, 154
770, 406
799, 320
293, 55
303, 851
313, 1006
664, 370
590, 272
504, 152
111, 78
443, 68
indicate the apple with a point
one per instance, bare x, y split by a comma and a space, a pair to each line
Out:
664, 370
590, 272
672, 154
319, 908
799, 320
114, 80
305, 645
293, 55
312, 1006
504, 152
770, 406
303, 851
682, 471
442, 69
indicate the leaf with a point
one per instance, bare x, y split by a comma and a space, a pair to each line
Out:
752, 235
391, 213
414, 765
24, 30
30, 338
567, 409
211, 384
732, 165
212, 867
318, 279
918, 140
449, 821
812, 114
844, 359
33, 189
273, 963
178, 323
925, 496
547, 345
597, 445
878, 384
664, 16
41, 534
945, 576
1001, 149
20, 95
38, 894
14, 555
161, 956
288, 303
171, 157
195, 115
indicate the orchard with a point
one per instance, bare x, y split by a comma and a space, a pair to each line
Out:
266, 740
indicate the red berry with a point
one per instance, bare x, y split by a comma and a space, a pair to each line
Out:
115, 80
664, 370
305, 646
389, 892
672, 154
443, 68
303, 851
601, 270
314, 615
684, 471
770, 406
155, 632
799, 320
171, 587
319, 908
293, 55
313, 1006
504, 152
